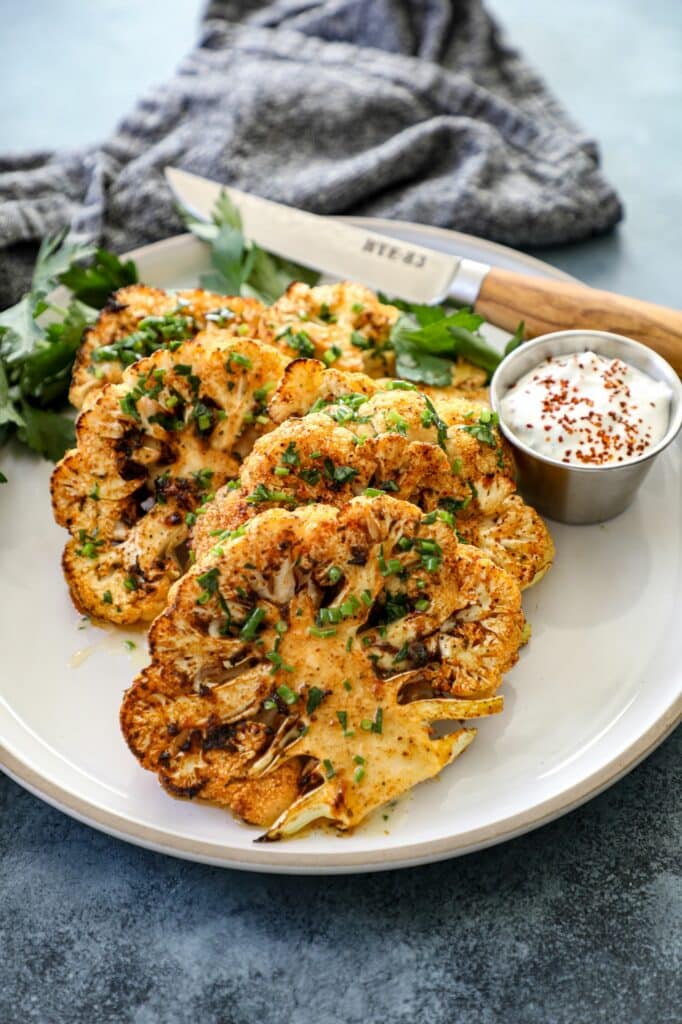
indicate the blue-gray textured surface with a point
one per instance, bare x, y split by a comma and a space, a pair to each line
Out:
578, 922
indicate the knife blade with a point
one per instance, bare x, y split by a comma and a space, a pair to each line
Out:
410, 271
423, 275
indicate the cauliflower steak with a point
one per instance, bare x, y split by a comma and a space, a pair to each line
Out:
138, 320
347, 326
150, 451
446, 457
301, 664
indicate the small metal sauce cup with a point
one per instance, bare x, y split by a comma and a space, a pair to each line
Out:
582, 494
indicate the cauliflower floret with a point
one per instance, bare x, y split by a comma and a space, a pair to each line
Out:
343, 324
138, 319
448, 457
300, 665
149, 451
346, 326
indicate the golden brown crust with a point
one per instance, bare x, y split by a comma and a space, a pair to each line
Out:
314, 643
149, 451
390, 441
347, 326
128, 307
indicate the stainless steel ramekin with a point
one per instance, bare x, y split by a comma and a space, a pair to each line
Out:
577, 494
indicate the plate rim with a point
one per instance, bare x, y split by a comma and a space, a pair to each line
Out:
260, 860
411, 855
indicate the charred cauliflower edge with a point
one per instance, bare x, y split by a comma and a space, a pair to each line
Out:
299, 667
345, 325
442, 455
150, 451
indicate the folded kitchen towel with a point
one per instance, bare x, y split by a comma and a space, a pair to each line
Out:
420, 111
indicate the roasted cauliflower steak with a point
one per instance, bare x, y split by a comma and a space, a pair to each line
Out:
446, 456
138, 320
301, 664
347, 326
150, 451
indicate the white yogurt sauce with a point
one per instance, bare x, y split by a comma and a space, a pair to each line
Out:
586, 409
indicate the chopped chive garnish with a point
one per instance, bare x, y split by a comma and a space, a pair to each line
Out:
328, 768
287, 694
316, 631
277, 662
250, 627
239, 359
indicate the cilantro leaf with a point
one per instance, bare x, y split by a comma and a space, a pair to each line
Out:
45, 374
427, 339
228, 262
270, 276
8, 411
36, 358
413, 364
46, 432
95, 283
55, 256
240, 267
18, 330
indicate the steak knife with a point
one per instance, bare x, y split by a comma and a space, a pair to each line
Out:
420, 274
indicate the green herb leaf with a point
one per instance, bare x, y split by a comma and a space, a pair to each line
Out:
95, 283
48, 433
483, 429
315, 698
517, 338
427, 339
240, 267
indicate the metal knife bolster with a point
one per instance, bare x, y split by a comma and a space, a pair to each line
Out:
467, 282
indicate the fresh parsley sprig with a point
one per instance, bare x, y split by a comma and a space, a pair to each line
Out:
39, 341
427, 339
238, 266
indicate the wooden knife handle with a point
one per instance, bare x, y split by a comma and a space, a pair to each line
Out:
546, 305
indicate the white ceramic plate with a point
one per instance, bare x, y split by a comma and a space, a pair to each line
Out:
596, 690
